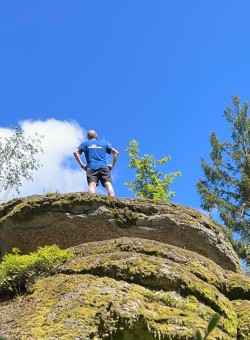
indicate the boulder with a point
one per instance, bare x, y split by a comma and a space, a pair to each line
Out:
140, 270
130, 288
72, 219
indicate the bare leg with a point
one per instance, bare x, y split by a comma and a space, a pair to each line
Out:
110, 189
92, 186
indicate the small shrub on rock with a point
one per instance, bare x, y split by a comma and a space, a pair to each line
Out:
17, 271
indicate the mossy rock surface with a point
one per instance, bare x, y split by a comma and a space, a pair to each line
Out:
131, 289
75, 218
89, 307
242, 308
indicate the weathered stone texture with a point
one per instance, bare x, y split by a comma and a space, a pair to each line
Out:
129, 289
72, 219
141, 270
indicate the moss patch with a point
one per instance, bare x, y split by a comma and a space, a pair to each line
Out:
124, 218
243, 312
122, 288
232, 285
158, 274
88, 307
237, 286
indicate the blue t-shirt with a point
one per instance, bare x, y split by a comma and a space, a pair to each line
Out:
95, 153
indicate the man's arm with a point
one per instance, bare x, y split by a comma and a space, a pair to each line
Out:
115, 154
76, 153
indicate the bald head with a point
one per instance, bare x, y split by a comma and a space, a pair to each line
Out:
92, 134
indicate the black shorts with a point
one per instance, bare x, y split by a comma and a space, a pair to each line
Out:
96, 175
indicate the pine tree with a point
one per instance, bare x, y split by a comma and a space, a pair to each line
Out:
226, 187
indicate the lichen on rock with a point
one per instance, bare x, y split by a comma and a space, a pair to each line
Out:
127, 289
71, 219
141, 270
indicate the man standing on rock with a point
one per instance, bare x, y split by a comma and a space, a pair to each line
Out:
96, 168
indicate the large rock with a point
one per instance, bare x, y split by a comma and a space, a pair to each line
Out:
72, 219
141, 270
130, 289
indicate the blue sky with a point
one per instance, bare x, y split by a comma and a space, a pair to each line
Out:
159, 72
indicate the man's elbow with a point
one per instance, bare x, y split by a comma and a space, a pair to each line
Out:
76, 152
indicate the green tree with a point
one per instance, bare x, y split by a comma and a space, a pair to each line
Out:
226, 187
149, 182
18, 157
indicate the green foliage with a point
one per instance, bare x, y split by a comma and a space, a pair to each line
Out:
17, 156
149, 182
226, 187
17, 271
211, 325
243, 250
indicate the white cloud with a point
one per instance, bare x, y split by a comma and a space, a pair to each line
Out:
59, 172
5, 132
